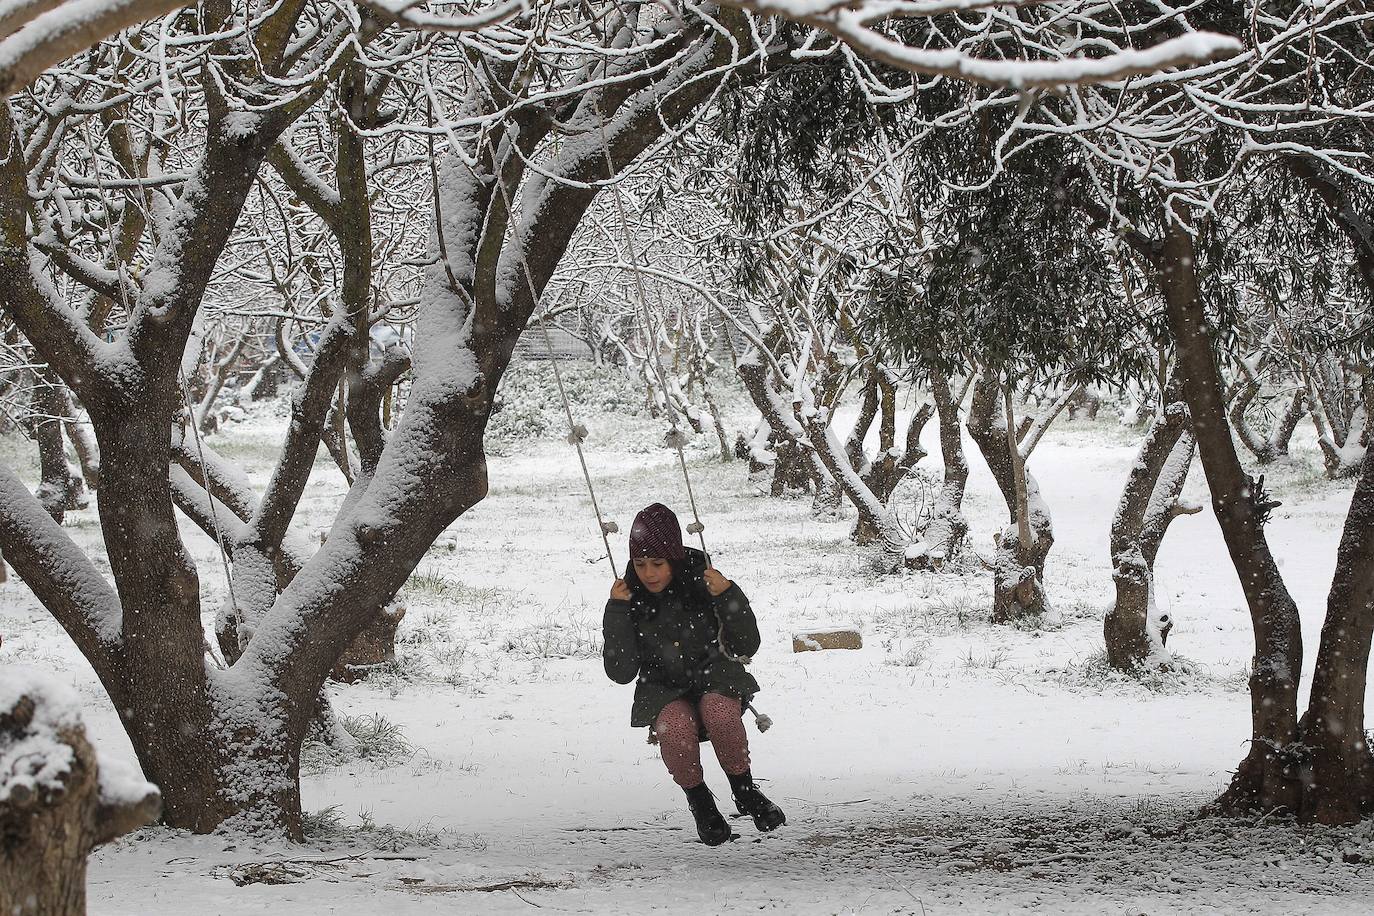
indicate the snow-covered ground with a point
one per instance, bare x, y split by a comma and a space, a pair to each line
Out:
947, 766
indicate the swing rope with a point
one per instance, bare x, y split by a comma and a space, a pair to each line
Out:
577, 433
676, 437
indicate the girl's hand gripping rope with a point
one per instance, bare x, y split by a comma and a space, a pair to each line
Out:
716, 584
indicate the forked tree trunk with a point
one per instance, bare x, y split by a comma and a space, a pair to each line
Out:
947, 527
1134, 629
1340, 413
1018, 567
1266, 447
885, 473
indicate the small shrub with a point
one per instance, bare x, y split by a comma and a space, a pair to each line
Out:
323, 823
429, 583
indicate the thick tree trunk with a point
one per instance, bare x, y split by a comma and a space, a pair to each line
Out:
1134, 630
1340, 780
1268, 778
1018, 575
792, 471
158, 684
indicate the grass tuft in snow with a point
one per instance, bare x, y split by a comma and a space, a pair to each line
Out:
376, 739
990, 660
577, 637
911, 657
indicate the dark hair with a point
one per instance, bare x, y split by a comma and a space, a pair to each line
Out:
691, 586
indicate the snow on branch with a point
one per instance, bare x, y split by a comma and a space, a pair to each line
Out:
858, 22
38, 34
61, 576
402, 12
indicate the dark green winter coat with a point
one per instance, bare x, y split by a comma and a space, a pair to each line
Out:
669, 641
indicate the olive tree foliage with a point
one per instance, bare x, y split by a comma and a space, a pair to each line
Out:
1285, 120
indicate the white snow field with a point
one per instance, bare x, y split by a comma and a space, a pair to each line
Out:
949, 766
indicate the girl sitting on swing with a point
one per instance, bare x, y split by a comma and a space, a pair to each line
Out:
681, 628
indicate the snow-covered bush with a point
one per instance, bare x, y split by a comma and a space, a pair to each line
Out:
1094, 674
528, 405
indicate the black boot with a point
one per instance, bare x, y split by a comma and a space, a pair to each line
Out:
749, 800
711, 827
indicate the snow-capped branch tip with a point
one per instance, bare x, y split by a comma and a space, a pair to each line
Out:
38, 34
853, 23
402, 13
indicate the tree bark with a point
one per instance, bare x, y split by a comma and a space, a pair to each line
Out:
1269, 776
47, 830
1340, 781
1134, 630
947, 527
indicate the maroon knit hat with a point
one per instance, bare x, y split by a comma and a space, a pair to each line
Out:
656, 533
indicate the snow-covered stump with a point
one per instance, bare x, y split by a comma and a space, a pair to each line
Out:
1018, 588
58, 798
